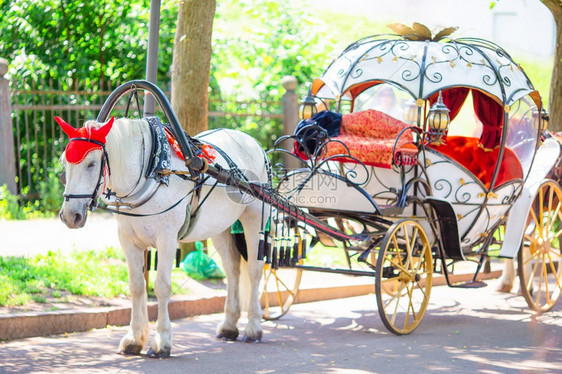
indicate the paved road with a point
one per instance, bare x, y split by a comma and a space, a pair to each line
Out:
464, 331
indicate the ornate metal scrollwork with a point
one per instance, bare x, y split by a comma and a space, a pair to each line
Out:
310, 148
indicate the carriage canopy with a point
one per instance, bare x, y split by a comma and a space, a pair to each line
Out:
415, 68
422, 68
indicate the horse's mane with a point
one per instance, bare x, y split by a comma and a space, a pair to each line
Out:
122, 138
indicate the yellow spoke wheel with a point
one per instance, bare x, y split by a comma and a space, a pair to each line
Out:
404, 274
540, 257
279, 289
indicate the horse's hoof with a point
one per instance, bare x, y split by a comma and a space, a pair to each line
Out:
131, 350
504, 288
230, 335
161, 354
257, 339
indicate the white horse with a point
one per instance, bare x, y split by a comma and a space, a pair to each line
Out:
127, 146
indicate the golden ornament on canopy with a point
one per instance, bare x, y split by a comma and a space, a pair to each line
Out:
420, 32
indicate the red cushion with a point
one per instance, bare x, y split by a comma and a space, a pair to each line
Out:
371, 151
370, 136
479, 162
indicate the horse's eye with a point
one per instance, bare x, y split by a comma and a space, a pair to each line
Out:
91, 165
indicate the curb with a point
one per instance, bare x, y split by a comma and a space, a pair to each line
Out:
27, 325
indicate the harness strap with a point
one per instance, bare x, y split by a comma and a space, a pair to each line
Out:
89, 141
146, 215
192, 208
185, 175
205, 198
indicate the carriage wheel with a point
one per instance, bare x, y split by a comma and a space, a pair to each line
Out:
540, 256
279, 290
404, 274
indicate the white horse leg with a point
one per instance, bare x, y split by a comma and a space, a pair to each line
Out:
230, 257
251, 279
162, 342
137, 336
508, 276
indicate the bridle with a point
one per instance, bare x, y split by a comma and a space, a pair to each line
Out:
101, 179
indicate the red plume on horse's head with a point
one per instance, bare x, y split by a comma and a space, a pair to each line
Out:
69, 130
104, 130
79, 146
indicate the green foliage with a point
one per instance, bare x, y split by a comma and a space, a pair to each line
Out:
16, 208
256, 43
51, 190
47, 202
342, 31
539, 71
88, 273
91, 41
10, 207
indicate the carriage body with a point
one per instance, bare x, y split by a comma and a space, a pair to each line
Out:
482, 163
390, 174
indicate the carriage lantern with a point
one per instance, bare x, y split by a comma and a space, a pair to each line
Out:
308, 106
438, 120
411, 112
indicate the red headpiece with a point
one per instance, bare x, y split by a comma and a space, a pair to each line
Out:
83, 140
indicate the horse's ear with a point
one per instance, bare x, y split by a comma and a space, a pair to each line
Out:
104, 130
69, 130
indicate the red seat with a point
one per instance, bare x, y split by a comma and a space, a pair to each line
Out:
481, 163
371, 136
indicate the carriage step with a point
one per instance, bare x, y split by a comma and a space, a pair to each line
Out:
471, 284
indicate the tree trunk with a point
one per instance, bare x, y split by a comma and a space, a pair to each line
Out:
555, 102
191, 67
191, 63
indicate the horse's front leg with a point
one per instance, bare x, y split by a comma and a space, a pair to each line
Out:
162, 341
137, 336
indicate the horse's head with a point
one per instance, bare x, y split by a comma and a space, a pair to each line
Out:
86, 170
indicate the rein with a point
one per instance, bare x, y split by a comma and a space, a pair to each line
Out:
101, 178
195, 188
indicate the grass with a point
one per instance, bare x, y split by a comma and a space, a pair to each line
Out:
81, 273
89, 273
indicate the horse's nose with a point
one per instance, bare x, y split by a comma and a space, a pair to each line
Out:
78, 218
73, 220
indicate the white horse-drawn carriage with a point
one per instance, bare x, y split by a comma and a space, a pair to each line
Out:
463, 160
461, 167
